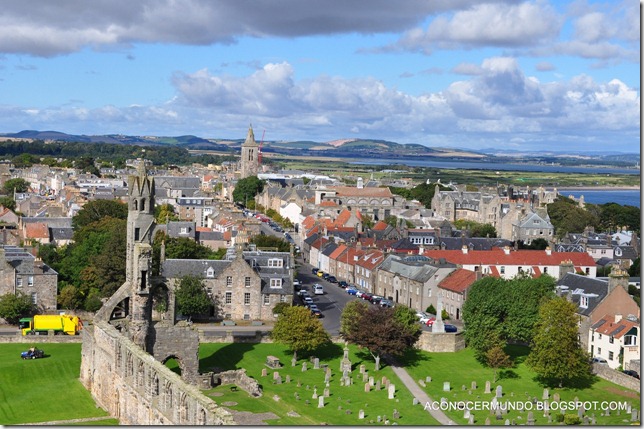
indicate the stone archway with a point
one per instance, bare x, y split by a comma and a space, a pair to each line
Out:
161, 303
174, 357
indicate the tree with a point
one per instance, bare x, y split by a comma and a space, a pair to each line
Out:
192, 298
70, 298
17, 184
476, 229
164, 213
186, 248
378, 330
280, 307
495, 356
8, 202
13, 307
96, 210
556, 354
267, 241
299, 330
349, 318
246, 189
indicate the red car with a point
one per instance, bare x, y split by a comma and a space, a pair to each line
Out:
431, 321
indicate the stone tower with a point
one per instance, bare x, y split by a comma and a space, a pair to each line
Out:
249, 155
140, 226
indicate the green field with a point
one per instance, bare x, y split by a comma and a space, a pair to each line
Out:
42, 390
518, 385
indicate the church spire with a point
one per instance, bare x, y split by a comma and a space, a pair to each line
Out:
250, 137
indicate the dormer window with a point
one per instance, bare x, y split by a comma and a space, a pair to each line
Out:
210, 272
184, 230
275, 263
583, 301
276, 283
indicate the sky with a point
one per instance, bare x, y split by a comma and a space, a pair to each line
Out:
513, 75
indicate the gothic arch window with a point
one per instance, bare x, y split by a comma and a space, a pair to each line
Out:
201, 420
183, 409
136, 204
117, 406
140, 373
129, 369
168, 396
155, 385
142, 204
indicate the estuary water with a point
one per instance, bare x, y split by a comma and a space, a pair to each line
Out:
629, 197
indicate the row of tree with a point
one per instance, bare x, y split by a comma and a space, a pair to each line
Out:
566, 216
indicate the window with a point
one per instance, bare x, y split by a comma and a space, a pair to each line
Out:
587, 270
30, 280
267, 299
228, 298
275, 263
229, 281
610, 355
545, 270
599, 350
429, 292
630, 340
184, 230
502, 270
583, 302
276, 283
247, 281
246, 316
611, 340
247, 298
282, 298
210, 273
34, 298
18, 281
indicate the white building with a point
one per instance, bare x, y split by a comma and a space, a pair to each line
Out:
615, 339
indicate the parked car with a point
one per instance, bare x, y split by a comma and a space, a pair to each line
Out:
386, 303
326, 276
307, 300
320, 273
332, 279
359, 293
430, 321
314, 270
375, 299
367, 296
423, 317
598, 359
343, 284
631, 373
450, 328
351, 290
313, 307
318, 289
317, 313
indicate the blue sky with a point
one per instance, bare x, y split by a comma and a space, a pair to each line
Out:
516, 75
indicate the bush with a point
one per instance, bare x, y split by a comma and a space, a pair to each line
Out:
280, 307
445, 314
572, 419
559, 418
430, 309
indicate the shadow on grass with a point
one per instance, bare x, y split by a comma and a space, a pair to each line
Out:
584, 382
226, 358
518, 353
507, 374
412, 357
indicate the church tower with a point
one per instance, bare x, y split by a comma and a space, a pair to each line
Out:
140, 226
249, 155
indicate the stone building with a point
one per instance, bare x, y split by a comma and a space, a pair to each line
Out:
20, 271
244, 286
249, 156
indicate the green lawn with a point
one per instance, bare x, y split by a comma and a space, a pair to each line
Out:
342, 398
41, 390
518, 383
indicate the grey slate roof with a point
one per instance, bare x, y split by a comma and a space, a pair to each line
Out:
413, 269
174, 229
593, 288
61, 233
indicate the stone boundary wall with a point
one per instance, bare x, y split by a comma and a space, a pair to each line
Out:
443, 342
137, 389
234, 337
239, 378
614, 376
41, 339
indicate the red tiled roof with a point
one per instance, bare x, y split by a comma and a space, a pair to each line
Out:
328, 204
380, 226
494, 271
337, 252
459, 280
536, 272
36, 230
498, 256
610, 326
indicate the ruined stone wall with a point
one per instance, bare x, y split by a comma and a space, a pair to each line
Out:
617, 377
441, 342
137, 389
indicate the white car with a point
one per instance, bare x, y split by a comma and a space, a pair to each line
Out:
318, 289
359, 294
423, 317
308, 300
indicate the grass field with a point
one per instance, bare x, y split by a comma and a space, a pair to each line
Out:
342, 398
517, 383
42, 390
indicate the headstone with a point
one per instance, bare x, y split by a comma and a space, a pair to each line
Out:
342, 381
546, 394
466, 413
362, 369
264, 372
273, 362
383, 381
530, 421
473, 385
367, 387
446, 387
315, 393
580, 412
321, 402
487, 387
470, 421
327, 377
487, 421
428, 379
361, 414
371, 380
507, 422
555, 397
288, 378
634, 415
365, 377
499, 414
379, 419
327, 392
463, 388
297, 396
391, 391
499, 391
345, 364
494, 404
316, 363
396, 414
278, 380
422, 383
378, 385
275, 375
415, 401
303, 366
585, 421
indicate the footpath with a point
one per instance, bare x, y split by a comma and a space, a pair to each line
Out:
417, 392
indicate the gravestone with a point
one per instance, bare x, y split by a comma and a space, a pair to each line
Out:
395, 415
415, 401
422, 383
378, 385
275, 375
428, 379
466, 413
585, 421
321, 402
299, 384
487, 387
316, 363
264, 372
499, 414
315, 393
278, 380
634, 415
499, 391
546, 394
473, 385
361, 414
530, 421
391, 390
288, 378
379, 419
494, 404
327, 377
303, 366
446, 387
507, 422
487, 421
555, 397
383, 381
367, 387
273, 362
371, 380
327, 393
470, 421
345, 364
297, 396
362, 369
